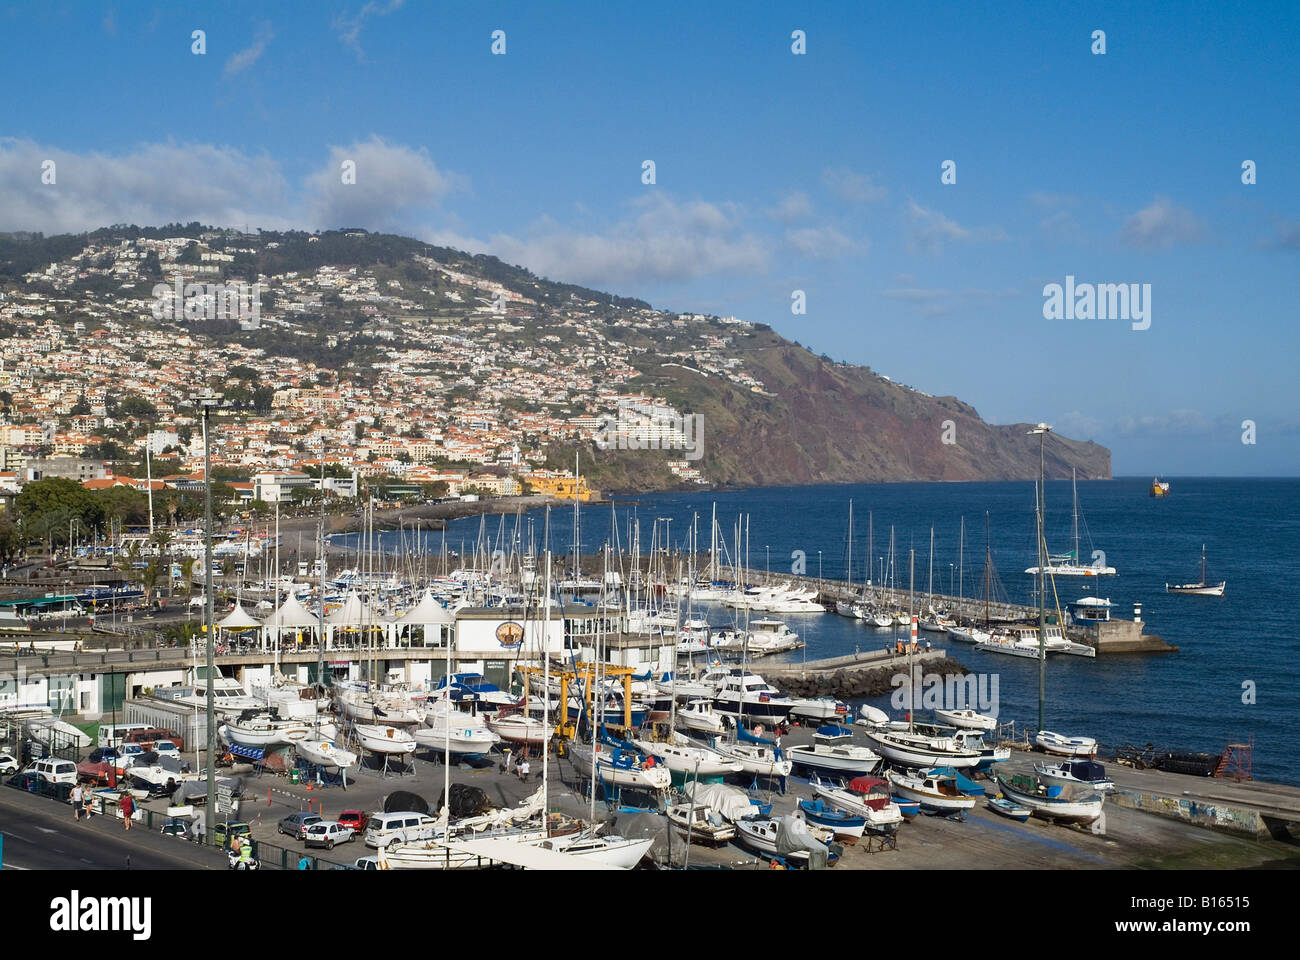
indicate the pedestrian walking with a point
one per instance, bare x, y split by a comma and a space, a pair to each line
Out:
89, 801
523, 770
127, 804
75, 799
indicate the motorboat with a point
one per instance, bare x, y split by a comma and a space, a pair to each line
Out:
461, 733
701, 824
934, 791
966, 719
819, 708
921, 751
1007, 808
699, 715
1053, 801
784, 837
473, 687
866, 797
621, 766
748, 695
257, 729
840, 822
1064, 746
380, 738
872, 716
1076, 773
836, 758
51, 732
681, 755
325, 753
518, 728
989, 755
762, 758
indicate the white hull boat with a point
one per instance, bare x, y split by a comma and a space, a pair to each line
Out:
756, 758
881, 813
699, 715
1084, 807
521, 729
324, 753
612, 851
384, 739
917, 751
259, 732
819, 708
700, 823
620, 768
835, 757
689, 759
1064, 746
930, 790
967, 719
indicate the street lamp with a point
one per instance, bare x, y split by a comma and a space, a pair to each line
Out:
1042, 430
819, 569
206, 402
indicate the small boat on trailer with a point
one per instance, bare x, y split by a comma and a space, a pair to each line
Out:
1064, 746
1006, 808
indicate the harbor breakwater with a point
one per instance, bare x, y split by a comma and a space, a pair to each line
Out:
847, 683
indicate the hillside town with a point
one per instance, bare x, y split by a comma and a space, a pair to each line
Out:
427, 373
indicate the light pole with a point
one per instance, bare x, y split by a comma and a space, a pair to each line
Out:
1042, 430
207, 402
819, 569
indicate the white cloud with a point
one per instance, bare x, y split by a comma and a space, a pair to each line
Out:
245, 58
1079, 425
1161, 225
392, 182
796, 206
666, 240
820, 243
349, 28
1175, 422
852, 187
929, 230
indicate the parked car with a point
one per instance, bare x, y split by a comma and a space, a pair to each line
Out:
296, 824
166, 748
400, 827
326, 833
176, 827
54, 771
355, 819
8, 764
104, 755
222, 833
361, 863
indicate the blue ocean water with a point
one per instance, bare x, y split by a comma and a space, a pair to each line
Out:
1194, 699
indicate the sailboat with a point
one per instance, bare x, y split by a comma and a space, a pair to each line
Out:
1068, 565
1201, 588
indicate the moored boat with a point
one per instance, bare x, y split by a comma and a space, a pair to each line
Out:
1064, 746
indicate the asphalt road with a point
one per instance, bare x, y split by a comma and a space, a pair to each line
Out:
40, 834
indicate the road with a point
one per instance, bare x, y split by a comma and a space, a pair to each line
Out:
40, 834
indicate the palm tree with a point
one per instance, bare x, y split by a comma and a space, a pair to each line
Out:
187, 573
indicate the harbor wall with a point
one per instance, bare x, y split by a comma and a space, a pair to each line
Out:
1201, 813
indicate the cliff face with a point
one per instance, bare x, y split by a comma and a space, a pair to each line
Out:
825, 422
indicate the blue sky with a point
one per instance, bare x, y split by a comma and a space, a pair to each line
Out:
774, 172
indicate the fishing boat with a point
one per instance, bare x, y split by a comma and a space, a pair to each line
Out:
1159, 488
622, 767
1064, 746
701, 824
681, 755
840, 822
699, 715
1052, 801
325, 753
866, 797
1076, 773
933, 791
967, 719
378, 738
836, 758
1202, 588
783, 837
1006, 808
908, 809
920, 750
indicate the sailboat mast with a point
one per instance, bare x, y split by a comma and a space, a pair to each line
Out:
850, 546
1074, 479
931, 565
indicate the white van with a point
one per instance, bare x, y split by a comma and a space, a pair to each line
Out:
54, 771
400, 827
112, 735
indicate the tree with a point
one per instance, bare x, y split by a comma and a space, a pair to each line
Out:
11, 541
48, 506
124, 504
